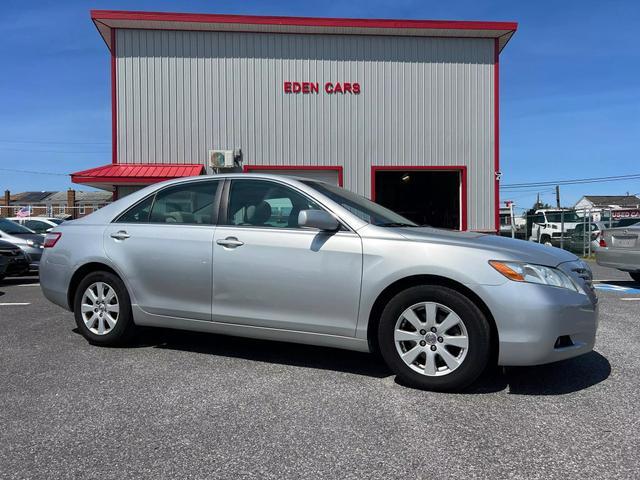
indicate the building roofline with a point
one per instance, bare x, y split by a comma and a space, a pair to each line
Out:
106, 20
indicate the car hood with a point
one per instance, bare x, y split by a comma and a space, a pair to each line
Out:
502, 248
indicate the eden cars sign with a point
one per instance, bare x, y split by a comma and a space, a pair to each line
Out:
329, 87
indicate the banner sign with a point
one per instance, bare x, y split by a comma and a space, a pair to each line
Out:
618, 214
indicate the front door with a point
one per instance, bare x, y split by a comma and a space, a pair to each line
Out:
163, 247
270, 272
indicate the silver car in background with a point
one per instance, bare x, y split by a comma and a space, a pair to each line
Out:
620, 248
304, 261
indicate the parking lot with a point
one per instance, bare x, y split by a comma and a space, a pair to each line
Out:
189, 405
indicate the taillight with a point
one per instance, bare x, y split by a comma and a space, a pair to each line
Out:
602, 243
51, 239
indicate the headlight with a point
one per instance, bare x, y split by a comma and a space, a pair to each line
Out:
527, 272
31, 243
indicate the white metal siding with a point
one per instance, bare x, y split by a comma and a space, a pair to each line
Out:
424, 101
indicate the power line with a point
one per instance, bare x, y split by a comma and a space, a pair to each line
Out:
32, 172
577, 181
54, 142
51, 151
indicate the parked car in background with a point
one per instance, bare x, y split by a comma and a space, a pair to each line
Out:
38, 224
546, 226
336, 270
620, 248
13, 260
30, 242
583, 235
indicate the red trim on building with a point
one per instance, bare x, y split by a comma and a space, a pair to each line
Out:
462, 169
496, 131
97, 15
142, 173
337, 168
114, 101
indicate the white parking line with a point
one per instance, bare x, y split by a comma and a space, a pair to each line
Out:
13, 304
29, 285
631, 299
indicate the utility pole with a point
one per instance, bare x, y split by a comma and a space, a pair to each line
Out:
538, 201
558, 196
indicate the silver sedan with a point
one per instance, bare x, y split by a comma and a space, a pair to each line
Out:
620, 248
304, 261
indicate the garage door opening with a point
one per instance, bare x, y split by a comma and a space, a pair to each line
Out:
428, 197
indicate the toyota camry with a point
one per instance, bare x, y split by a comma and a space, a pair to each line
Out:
303, 261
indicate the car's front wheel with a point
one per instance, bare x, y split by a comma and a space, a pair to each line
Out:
434, 338
635, 276
102, 309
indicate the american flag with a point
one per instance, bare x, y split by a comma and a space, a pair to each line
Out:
24, 212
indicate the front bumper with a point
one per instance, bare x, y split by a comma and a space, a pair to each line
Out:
538, 324
16, 265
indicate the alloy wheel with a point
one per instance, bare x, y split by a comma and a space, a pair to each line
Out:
431, 339
100, 308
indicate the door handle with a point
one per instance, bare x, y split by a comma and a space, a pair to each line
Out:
121, 235
230, 242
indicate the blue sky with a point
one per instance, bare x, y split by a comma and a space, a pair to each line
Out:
570, 85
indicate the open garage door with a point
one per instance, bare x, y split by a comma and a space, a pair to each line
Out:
428, 196
329, 174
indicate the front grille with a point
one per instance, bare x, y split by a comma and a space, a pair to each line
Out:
583, 275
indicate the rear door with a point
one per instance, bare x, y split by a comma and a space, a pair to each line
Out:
270, 272
163, 246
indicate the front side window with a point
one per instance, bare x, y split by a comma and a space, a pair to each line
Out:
37, 226
190, 203
262, 203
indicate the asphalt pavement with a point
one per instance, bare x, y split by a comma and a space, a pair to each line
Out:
187, 405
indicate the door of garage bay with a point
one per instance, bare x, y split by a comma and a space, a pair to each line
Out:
428, 195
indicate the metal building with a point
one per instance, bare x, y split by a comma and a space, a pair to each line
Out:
402, 111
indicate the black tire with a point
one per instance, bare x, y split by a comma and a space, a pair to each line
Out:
635, 276
545, 240
124, 328
475, 322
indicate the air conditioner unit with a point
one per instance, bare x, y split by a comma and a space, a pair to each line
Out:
221, 159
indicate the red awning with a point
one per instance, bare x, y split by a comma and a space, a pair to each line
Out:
134, 174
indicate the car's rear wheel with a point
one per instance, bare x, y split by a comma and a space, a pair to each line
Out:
635, 276
434, 338
102, 309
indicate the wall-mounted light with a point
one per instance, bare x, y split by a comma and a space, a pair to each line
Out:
405, 178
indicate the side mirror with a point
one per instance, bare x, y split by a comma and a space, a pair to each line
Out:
318, 219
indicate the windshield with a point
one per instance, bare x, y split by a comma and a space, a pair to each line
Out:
12, 228
363, 208
556, 217
57, 221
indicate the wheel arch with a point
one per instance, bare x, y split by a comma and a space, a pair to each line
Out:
82, 272
416, 280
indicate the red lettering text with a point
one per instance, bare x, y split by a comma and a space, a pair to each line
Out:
287, 87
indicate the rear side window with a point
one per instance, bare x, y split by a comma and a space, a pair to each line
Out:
138, 213
190, 204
